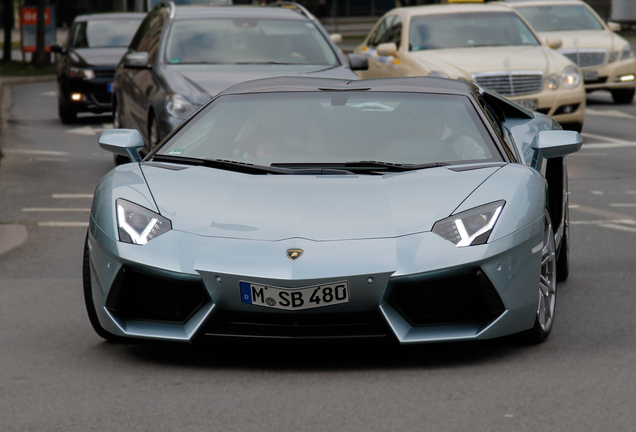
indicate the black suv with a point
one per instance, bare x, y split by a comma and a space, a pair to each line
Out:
87, 63
183, 55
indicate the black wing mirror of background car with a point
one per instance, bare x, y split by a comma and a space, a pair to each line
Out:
57, 49
137, 60
358, 62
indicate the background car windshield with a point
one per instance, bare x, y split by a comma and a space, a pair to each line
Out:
247, 41
469, 30
104, 33
336, 127
560, 18
154, 3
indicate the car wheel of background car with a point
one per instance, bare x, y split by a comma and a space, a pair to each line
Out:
547, 288
623, 96
88, 299
66, 114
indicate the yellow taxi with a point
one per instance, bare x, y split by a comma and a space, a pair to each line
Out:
490, 45
606, 59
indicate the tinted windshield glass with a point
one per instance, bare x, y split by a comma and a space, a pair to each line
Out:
560, 18
240, 41
104, 33
336, 127
469, 30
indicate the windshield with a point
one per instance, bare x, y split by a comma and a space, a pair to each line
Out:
560, 18
248, 41
104, 33
462, 30
154, 3
314, 128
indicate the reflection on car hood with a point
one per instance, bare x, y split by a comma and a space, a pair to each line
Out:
488, 59
97, 56
193, 80
213, 202
588, 39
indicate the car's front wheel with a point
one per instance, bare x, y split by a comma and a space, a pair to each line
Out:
88, 299
623, 96
67, 115
547, 287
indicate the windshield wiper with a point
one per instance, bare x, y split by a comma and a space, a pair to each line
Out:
389, 166
228, 165
358, 166
248, 168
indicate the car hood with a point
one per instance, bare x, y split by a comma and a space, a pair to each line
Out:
485, 59
588, 39
97, 56
212, 202
200, 82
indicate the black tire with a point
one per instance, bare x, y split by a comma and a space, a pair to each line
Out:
67, 115
88, 299
623, 96
543, 323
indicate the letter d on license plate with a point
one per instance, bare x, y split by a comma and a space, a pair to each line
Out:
294, 298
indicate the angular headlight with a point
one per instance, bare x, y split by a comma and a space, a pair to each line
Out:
571, 77
472, 227
75, 72
178, 106
627, 52
138, 225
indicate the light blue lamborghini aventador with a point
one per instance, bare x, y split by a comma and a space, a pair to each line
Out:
418, 209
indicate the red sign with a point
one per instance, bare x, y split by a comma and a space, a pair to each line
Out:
30, 16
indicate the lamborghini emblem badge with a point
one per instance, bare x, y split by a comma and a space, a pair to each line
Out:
294, 254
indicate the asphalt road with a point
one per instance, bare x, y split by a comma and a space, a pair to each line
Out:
56, 374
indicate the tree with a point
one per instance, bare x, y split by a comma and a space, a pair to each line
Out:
40, 57
7, 22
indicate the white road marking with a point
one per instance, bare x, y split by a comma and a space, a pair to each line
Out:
606, 142
49, 93
72, 196
35, 152
63, 224
608, 113
55, 210
624, 205
91, 130
618, 227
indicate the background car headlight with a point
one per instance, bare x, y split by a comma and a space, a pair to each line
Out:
571, 77
138, 225
627, 52
178, 106
553, 82
471, 227
75, 72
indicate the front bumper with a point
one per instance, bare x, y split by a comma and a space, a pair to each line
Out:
418, 288
611, 76
565, 106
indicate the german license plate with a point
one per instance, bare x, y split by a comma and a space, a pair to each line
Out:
590, 75
295, 298
531, 104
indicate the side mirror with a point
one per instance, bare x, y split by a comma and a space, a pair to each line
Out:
554, 143
358, 62
554, 43
137, 60
57, 49
335, 38
614, 26
386, 49
124, 142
